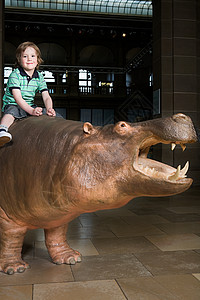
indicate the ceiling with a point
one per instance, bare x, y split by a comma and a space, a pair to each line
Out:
108, 7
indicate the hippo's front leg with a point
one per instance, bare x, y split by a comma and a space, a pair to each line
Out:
58, 248
11, 241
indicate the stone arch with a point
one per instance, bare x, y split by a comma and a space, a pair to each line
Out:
53, 54
95, 55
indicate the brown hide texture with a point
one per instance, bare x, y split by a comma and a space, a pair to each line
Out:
33, 165
56, 169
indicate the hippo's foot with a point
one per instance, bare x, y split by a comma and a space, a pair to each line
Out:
11, 267
58, 248
65, 255
11, 240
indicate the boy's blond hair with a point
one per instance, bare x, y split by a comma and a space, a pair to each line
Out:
22, 47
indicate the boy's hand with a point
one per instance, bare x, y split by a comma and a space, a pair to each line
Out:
51, 112
37, 111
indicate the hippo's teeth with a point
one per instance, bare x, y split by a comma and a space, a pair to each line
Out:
183, 146
148, 171
173, 145
180, 173
176, 175
185, 169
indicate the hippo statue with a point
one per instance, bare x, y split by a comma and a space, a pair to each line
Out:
56, 169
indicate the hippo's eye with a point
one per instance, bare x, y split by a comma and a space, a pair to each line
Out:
122, 125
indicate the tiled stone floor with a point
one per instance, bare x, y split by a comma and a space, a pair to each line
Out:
147, 250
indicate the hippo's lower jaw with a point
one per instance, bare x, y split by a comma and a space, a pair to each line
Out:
157, 170
162, 171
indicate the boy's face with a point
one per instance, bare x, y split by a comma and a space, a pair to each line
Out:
28, 59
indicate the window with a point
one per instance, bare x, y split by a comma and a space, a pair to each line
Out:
95, 83
85, 80
97, 117
151, 79
65, 76
48, 76
7, 72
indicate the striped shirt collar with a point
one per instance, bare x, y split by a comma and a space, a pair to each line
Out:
23, 73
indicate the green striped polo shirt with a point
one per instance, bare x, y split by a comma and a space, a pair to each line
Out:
28, 86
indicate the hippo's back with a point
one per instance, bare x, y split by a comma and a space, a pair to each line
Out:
33, 161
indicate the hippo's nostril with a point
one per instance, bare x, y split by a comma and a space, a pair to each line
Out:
180, 118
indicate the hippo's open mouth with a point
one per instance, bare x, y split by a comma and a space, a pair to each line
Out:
158, 170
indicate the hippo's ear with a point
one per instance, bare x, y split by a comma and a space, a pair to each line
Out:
88, 128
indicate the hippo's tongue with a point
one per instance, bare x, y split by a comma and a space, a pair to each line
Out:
158, 170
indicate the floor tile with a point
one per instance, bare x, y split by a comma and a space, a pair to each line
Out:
115, 212
148, 219
135, 230
102, 221
75, 223
108, 267
144, 288
181, 227
197, 275
184, 287
185, 210
34, 235
89, 232
84, 246
42, 271
23, 292
178, 262
145, 210
88, 290
123, 245
175, 242
88, 219
28, 251
139, 251
173, 217
41, 251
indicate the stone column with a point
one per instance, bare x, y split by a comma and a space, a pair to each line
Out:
176, 69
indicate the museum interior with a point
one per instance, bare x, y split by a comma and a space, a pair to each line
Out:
105, 62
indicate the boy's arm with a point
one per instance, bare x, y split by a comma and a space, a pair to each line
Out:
24, 105
48, 103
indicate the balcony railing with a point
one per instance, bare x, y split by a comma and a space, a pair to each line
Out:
62, 90
91, 90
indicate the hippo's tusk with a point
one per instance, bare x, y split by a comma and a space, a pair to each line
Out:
176, 175
173, 146
180, 173
185, 169
183, 146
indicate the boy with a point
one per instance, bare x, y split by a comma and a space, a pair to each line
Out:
23, 84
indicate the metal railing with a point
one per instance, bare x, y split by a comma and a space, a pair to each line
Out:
62, 90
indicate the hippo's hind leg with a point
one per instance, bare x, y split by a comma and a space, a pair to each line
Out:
11, 241
58, 248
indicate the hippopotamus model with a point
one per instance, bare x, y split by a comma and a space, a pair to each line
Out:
56, 169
